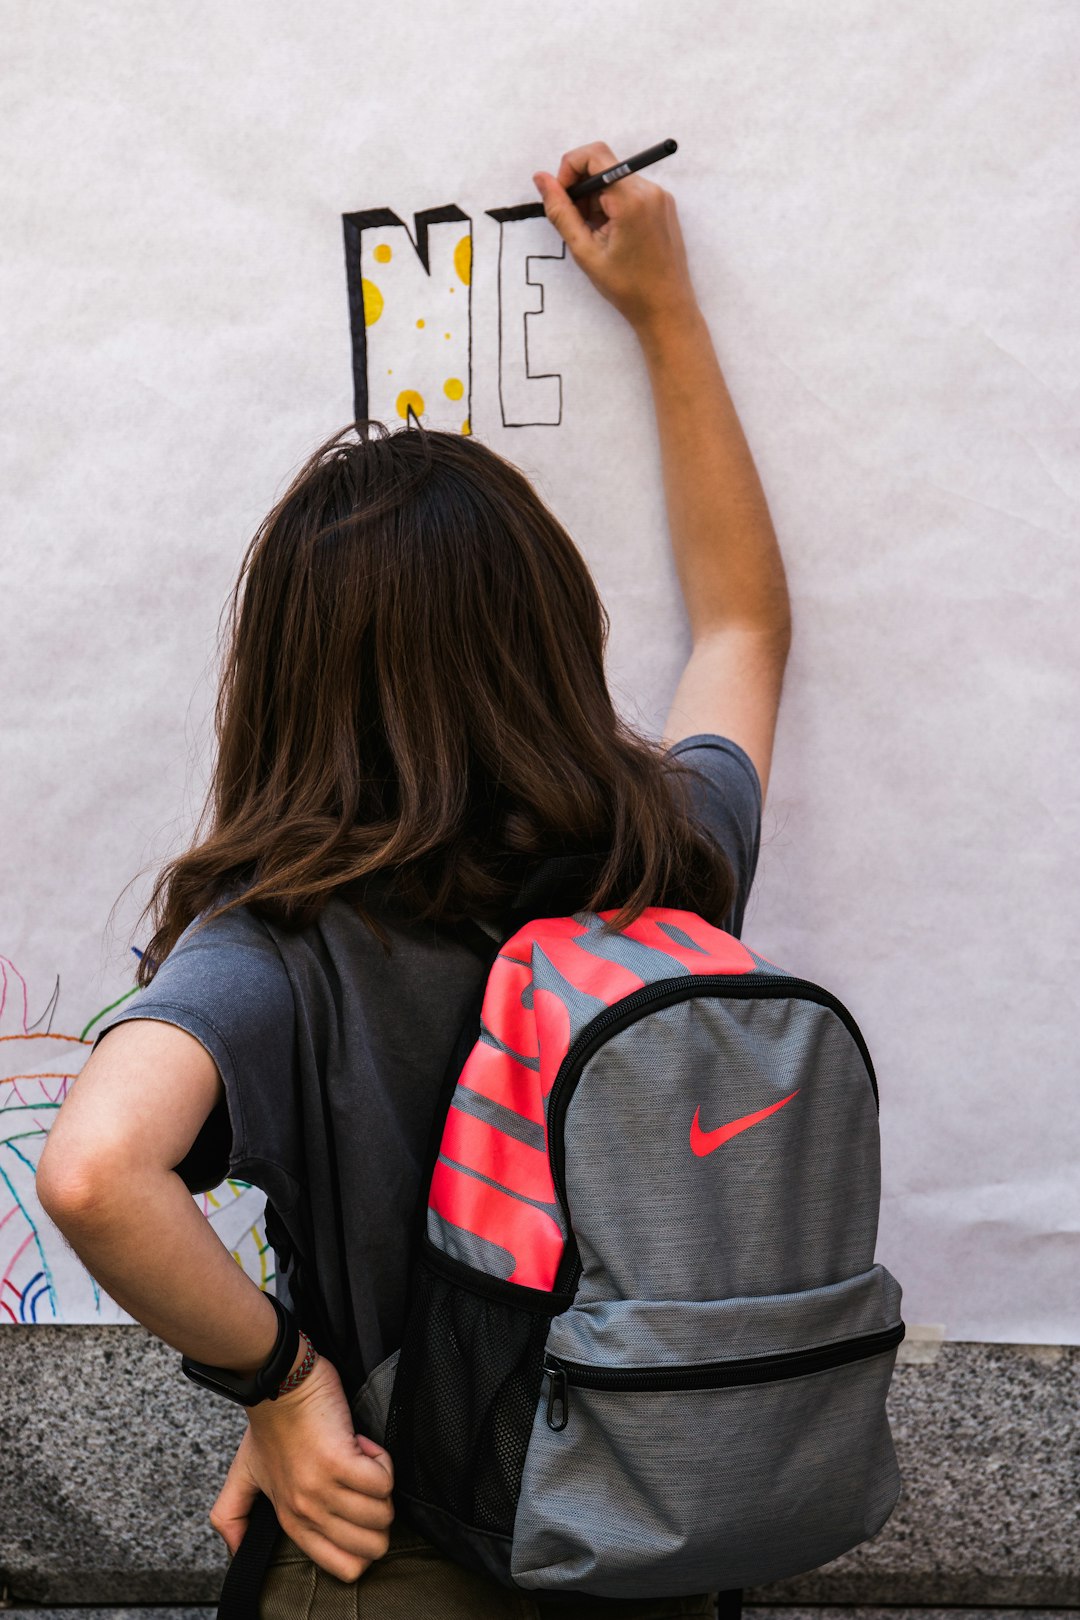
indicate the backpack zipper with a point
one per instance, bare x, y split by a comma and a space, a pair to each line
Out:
710, 1374
663, 993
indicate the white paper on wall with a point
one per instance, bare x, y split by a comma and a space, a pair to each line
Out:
224, 228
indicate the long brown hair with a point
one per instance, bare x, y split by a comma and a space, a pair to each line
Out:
413, 689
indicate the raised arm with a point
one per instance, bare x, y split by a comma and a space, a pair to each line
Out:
628, 241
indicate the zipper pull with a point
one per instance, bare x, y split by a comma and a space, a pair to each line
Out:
557, 1394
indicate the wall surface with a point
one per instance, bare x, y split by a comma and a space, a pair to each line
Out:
224, 228
119, 1459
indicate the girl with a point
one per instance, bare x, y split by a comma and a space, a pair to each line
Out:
413, 728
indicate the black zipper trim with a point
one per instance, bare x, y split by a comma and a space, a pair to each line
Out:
711, 1374
664, 993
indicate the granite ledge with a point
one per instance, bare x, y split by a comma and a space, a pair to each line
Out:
113, 1460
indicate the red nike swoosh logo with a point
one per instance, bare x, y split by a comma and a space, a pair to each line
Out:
704, 1142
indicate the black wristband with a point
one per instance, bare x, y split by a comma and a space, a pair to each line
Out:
263, 1386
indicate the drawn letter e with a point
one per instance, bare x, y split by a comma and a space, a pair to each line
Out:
526, 397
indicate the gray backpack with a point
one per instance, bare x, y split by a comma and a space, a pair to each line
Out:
648, 1349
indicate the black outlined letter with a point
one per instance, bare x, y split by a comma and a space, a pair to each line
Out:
526, 398
411, 316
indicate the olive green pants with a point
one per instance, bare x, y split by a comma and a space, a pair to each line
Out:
413, 1581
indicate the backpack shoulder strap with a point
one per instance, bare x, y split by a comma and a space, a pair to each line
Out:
244, 1578
556, 887
476, 936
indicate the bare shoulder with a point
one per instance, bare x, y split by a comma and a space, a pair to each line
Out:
140, 1099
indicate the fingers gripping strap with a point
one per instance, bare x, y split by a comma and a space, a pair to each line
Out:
246, 1573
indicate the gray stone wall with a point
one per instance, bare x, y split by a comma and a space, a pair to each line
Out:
112, 1460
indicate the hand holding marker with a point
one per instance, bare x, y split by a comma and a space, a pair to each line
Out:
628, 240
597, 182
607, 177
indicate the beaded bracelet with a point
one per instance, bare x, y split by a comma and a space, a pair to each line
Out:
297, 1376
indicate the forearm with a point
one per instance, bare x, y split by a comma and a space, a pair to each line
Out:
722, 537
141, 1235
144, 1239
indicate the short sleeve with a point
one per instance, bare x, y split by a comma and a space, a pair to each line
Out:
727, 800
226, 985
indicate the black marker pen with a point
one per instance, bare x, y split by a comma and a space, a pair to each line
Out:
597, 182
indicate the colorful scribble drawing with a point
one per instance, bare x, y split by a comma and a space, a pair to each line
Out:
410, 313
527, 398
41, 1278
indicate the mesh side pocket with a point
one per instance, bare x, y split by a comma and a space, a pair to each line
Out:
465, 1394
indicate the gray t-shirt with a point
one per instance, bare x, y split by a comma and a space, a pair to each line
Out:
279, 1010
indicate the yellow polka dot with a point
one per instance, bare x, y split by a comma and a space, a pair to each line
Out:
409, 397
389, 371
419, 323
465, 428
373, 301
446, 334
463, 259
453, 387
452, 289
383, 254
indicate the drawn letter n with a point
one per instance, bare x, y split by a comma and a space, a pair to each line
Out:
410, 313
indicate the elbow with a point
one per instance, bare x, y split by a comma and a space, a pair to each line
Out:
72, 1192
